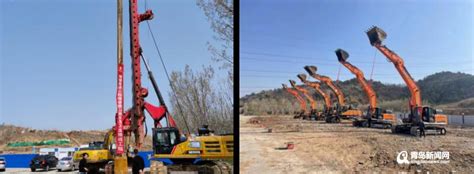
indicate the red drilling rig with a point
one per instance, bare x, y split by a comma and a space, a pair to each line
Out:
132, 121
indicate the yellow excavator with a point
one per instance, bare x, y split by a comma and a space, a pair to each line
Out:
205, 152
173, 150
99, 152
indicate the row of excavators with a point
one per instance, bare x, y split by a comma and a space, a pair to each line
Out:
429, 119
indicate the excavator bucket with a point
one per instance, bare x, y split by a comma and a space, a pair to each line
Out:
311, 69
376, 35
293, 83
341, 55
302, 77
284, 86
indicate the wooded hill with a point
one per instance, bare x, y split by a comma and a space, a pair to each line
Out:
439, 89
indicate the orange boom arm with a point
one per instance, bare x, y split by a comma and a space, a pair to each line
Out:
342, 57
305, 93
298, 97
376, 36
312, 72
316, 86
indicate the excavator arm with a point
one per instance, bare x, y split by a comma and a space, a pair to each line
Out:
305, 93
297, 96
316, 86
376, 36
342, 58
328, 81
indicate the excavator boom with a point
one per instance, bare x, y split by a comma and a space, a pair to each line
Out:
328, 81
316, 86
342, 58
420, 116
305, 93
376, 36
297, 96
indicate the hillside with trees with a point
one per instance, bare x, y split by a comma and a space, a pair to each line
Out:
439, 89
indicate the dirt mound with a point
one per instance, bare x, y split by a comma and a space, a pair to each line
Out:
10, 133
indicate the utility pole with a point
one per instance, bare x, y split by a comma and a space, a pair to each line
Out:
120, 158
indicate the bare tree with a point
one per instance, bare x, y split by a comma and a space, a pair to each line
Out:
201, 99
220, 14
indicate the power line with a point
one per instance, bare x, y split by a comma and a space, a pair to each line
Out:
291, 72
285, 61
426, 63
335, 64
298, 57
167, 75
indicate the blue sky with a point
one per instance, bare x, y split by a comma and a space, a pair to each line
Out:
279, 37
58, 58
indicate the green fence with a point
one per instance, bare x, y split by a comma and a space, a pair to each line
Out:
39, 143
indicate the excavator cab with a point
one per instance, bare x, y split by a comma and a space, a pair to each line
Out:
428, 114
434, 116
378, 113
164, 139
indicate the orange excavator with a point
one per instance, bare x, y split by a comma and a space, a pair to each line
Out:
312, 107
419, 116
375, 116
327, 100
300, 100
341, 109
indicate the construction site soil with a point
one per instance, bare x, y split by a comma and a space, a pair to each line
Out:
320, 147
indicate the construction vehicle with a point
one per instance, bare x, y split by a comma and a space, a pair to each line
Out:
99, 152
313, 113
327, 109
375, 116
432, 121
302, 102
172, 149
341, 110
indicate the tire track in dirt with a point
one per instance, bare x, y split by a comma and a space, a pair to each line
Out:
341, 148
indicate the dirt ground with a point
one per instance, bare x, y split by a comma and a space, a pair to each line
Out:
341, 148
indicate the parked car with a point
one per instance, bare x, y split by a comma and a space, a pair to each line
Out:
66, 163
3, 164
44, 162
